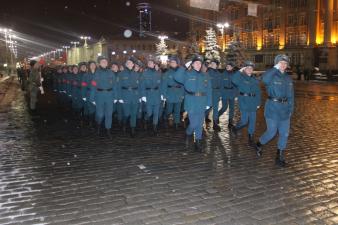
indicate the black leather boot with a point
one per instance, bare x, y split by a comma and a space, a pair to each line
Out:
145, 125
99, 130
230, 124
258, 147
234, 130
216, 127
108, 132
198, 146
155, 129
132, 132
177, 126
280, 158
251, 139
187, 140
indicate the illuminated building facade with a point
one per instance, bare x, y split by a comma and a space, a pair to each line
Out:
306, 30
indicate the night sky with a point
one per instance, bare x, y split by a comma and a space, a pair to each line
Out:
56, 23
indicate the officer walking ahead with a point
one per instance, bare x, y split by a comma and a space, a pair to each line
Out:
198, 98
278, 107
103, 94
249, 98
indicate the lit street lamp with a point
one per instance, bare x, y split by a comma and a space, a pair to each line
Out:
85, 38
163, 37
66, 47
221, 26
75, 43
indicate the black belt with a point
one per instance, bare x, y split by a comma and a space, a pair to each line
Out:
129, 88
99, 89
198, 94
174, 86
228, 87
156, 88
216, 88
280, 100
247, 94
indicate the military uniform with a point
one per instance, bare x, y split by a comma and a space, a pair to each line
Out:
103, 94
68, 85
77, 101
86, 85
173, 93
216, 84
151, 89
198, 98
249, 100
278, 108
130, 94
229, 93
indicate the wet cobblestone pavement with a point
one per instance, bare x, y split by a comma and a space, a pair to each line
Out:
53, 172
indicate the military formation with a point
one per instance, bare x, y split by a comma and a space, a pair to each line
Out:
142, 95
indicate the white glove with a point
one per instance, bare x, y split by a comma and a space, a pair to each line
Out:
115, 101
121, 101
187, 65
41, 89
94, 103
258, 107
162, 98
144, 99
242, 69
41, 79
277, 66
70, 95
84, 99
207, 107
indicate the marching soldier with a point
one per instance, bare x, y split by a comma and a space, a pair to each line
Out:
151, 93
117, 106
130, 95
68, 86
216, 83
249, 98
103, 95
78, 72
278, 107
173, 91
229, 93
89, 107
63, 84
198, 98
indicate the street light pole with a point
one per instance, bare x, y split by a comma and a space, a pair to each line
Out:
66, 47
85, 38
75, 43
221, 26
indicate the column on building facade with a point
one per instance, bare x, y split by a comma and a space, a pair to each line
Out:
312, 21
328, 21
282, 34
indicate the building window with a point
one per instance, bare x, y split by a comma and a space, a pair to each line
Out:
277, 22
302, 20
